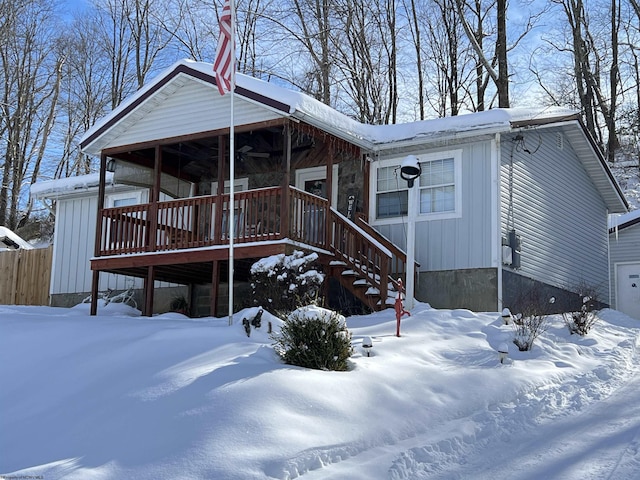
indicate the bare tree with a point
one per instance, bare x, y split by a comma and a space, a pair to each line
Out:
414, 26
449, 57
305, 28
115, 36
595, 63
85, 94
365, 58
148, 37
31, 74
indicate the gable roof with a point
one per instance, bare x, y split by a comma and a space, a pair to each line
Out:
183, 100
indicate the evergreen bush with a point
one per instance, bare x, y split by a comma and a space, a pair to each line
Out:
314, 337
281, 282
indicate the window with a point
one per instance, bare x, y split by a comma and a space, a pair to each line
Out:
437, 186
437, 192
391, 193
124, 199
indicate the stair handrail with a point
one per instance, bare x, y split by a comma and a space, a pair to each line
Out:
398, 254
361, 252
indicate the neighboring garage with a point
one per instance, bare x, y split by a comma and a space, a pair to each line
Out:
625, 263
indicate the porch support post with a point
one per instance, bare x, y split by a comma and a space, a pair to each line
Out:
327, 218
365, 191
95, 279
149, 281
215, 287
285, 205
222, 168
152, 238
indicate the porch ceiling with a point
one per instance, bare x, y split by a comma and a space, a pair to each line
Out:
256, 151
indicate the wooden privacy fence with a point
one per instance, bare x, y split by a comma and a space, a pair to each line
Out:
25, 276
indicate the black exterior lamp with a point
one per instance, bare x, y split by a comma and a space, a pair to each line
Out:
410, 169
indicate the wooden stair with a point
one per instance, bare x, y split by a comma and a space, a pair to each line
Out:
364, 262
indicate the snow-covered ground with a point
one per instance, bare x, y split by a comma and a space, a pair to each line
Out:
119, 397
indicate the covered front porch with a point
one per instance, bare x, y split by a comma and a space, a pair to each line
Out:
181, 235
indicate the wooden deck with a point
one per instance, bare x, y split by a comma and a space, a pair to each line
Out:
181, 239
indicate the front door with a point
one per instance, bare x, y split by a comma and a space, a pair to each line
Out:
628, 289
314, 180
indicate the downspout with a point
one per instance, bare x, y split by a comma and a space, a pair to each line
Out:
609, 259
496, 199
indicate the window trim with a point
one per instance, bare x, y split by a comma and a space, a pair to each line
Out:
111, 198
414, 193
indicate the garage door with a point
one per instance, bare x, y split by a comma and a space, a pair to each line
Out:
628, 289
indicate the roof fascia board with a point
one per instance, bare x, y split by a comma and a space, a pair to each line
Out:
426, 141
624, 225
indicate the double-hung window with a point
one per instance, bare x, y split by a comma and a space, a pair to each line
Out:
436, 192
391, 193
438, 186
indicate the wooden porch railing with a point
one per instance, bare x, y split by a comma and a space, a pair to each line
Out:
259, 215
398, 257
191, 222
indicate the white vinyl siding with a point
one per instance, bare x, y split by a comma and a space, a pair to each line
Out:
548, 198
192, 108
457, 239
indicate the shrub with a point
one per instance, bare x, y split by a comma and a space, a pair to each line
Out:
180, 304
531, 322
583, 318
283, 282
314, 337
527, 329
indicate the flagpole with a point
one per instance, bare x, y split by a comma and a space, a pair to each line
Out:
232, 159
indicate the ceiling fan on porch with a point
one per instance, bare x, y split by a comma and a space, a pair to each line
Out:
246, 151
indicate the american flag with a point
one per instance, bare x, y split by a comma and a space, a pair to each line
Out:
224, 63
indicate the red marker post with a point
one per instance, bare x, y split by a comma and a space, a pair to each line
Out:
400, 311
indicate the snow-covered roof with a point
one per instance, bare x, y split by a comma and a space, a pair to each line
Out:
619, 222
11, 241
284, 103
309, 109
303, 107
62, 186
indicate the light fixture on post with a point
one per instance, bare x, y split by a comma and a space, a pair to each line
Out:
410, 171
111, 165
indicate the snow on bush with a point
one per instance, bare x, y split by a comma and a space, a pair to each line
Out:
284, 282
313, 337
